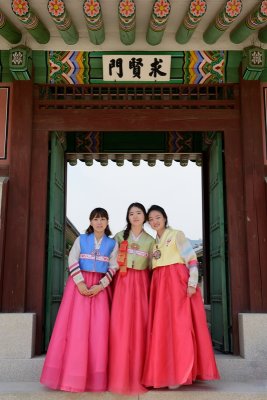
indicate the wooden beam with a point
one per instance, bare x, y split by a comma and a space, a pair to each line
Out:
8, 30
36, 271
255, 193
237, 244
3, 212
252, 22
135, 120
223, 20
193, 16
63, 22
127, 21
31, 21
262, 35
16, 245
94, 21
158, 21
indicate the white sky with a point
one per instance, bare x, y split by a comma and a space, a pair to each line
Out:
177, 189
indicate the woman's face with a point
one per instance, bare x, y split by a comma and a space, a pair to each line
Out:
136, 216
99, 224
156, 221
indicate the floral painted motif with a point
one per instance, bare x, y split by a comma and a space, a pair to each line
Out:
162, 8
91, 8
198, 8
127, 8
56, 8
20, 7
256, 58
233, 8
17, 58
264, 8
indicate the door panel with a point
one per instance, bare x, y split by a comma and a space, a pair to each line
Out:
56, 229
218, 259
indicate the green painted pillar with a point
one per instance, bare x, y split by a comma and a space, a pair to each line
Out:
94, 20
227, 15
9, 31
197, 9
127, 20
22, 10
252, 22
158, 21
61, 18
263, 35
253, 62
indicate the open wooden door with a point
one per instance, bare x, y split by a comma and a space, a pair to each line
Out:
220, 326
56, 230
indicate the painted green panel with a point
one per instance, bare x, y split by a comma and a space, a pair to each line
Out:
263, 76
134, 142
39, 59
233, 61
218, 260
56, 230
128, 142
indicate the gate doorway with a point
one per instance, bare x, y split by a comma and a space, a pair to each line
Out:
203, 148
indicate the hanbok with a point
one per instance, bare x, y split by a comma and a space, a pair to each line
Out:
77, 356
129, 315
179, 347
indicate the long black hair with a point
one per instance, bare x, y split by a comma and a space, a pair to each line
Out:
98, 213
160, 210
129, 225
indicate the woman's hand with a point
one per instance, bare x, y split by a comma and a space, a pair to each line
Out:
95, 289
191, 291
83, 289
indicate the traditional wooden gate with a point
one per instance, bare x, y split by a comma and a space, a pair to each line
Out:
140, 108
158, 145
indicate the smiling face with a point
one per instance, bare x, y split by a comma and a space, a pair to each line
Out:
99, 224
157, 221
136, 216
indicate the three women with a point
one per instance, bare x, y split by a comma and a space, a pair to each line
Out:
161, 341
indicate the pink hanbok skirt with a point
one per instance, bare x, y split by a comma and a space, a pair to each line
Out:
128, 330
179, 348
77, 356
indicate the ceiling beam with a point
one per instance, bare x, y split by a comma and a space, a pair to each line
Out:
127, 21
158, 21
31, 21
263, 35
252, 22
9, 31
94, 21
227, 15
197, 9
62, 20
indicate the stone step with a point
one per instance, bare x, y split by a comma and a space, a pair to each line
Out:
232, 369
251, 390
